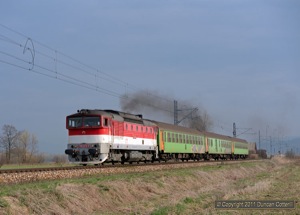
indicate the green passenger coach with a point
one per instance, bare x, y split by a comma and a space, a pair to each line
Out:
177, 142
225, 147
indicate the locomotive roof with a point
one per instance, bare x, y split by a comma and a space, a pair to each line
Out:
117, 115
90, 112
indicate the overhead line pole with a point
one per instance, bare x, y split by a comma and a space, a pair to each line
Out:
175, 113
176, 110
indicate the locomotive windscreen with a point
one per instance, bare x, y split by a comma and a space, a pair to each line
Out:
88, 121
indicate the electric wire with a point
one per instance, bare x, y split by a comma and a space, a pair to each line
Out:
111, 78
96, 73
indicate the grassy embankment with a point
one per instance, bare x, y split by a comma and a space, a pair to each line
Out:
180, 191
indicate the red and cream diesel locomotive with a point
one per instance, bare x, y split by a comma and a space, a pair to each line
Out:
97, 136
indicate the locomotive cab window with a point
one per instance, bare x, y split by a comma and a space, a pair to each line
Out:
106, 122
74, 122
91, 121
78, 122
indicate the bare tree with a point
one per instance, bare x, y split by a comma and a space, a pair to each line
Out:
2, 159
9, 140
199, 121
38, 158
27, 147
290, 154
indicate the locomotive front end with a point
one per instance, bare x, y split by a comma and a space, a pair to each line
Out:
88, 138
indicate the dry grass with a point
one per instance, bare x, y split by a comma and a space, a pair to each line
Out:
15, 206
183, 191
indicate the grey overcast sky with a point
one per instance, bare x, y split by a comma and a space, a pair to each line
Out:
238, 60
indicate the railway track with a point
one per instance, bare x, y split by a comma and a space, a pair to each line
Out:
13, 176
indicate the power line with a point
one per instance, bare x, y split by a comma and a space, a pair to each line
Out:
61, 59
57, 59
96, 73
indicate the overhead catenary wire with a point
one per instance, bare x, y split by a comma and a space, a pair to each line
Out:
61, 59
58, 59
59, 76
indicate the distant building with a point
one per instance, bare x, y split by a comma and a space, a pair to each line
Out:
252, 151
252, 148
262, 153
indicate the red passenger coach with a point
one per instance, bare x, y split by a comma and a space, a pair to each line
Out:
97, 136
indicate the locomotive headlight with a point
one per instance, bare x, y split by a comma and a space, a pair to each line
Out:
69, 151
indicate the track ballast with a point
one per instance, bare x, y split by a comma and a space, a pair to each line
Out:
14, 176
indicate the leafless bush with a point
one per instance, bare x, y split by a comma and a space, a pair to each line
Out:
290, 154
2, 159
59, 159
38, 158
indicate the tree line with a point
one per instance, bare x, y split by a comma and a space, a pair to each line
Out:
18, 147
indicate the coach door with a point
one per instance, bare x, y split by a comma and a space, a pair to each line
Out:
206, 144
161, 140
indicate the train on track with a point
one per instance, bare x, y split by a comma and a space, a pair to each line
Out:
98, 136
